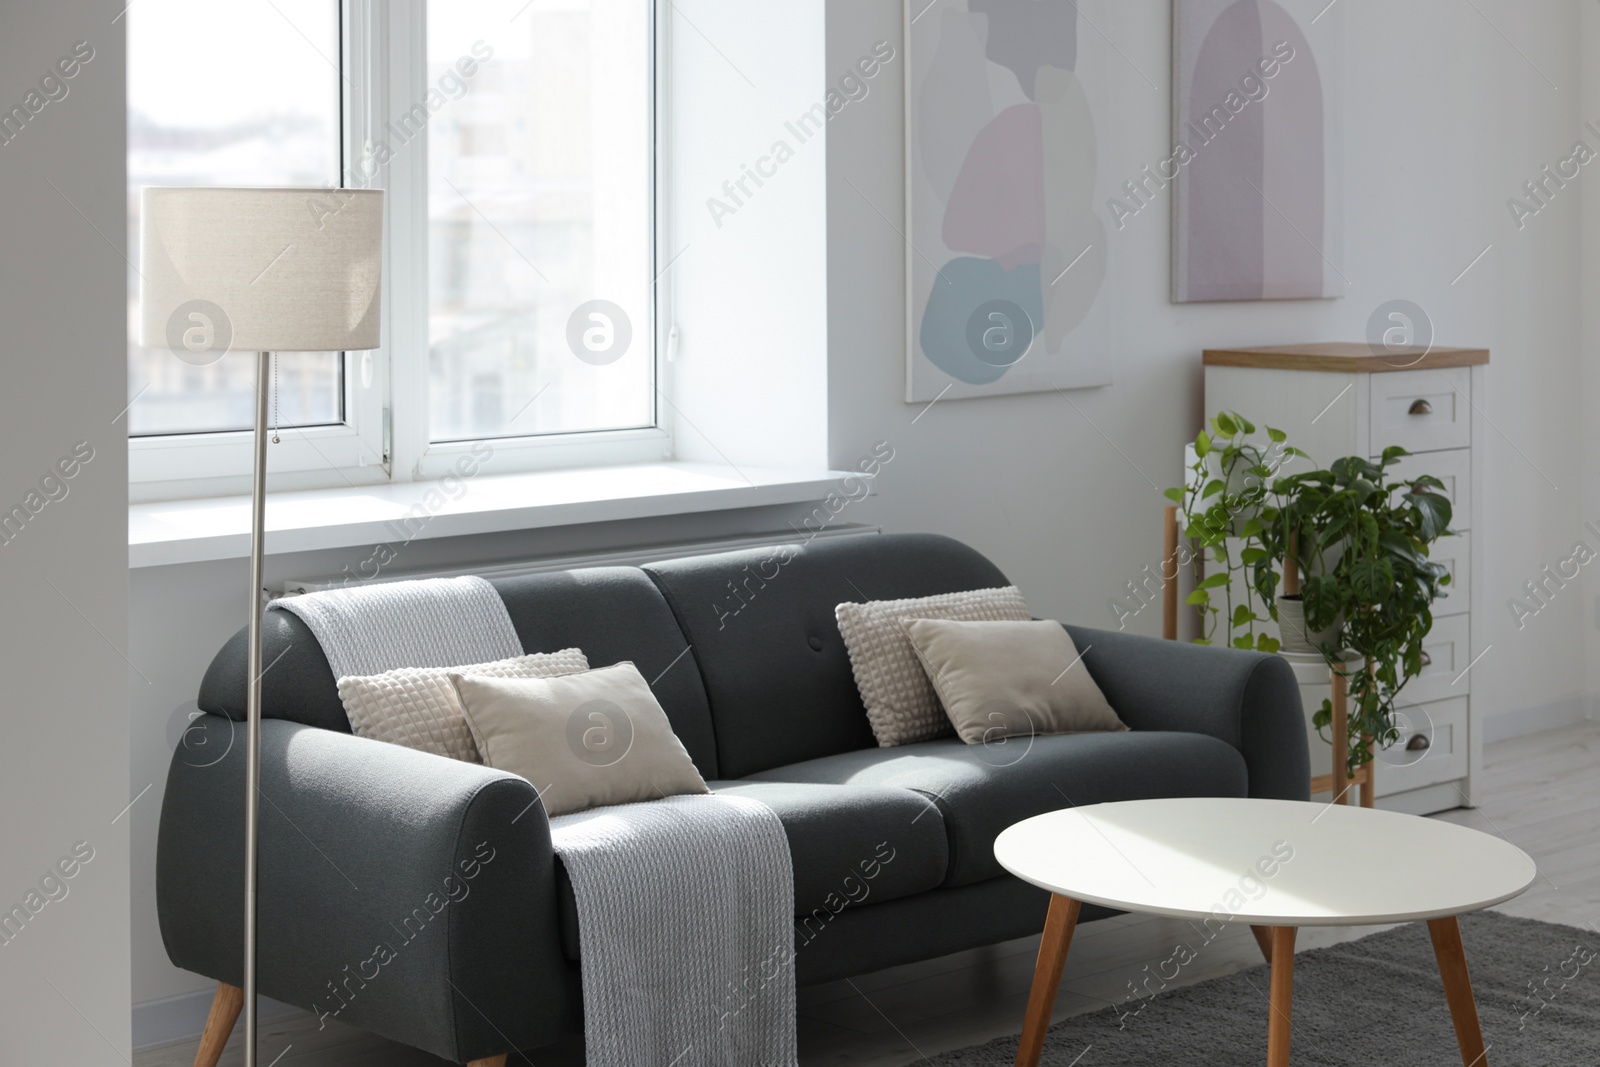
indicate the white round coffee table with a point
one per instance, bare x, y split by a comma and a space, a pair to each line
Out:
1275, 864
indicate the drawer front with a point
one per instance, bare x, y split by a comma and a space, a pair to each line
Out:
1444, 724
1421, 410
1453, 552
1446, 653
1454, 469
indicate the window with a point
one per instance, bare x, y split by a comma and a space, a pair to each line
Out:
535, 210
198, 114
516, 142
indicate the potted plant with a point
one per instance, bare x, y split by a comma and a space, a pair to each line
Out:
1227, 507
1359, 536
1354, 535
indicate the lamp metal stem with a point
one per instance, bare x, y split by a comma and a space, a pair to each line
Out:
252, 802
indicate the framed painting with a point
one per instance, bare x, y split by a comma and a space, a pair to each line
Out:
1009, 269
1257, 150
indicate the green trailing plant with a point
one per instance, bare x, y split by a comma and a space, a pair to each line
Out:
1359, 536
1228, 508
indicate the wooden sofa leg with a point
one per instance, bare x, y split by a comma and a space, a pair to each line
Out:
225, 1009
491, 1061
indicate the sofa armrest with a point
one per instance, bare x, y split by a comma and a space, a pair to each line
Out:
1248, 699
402, 892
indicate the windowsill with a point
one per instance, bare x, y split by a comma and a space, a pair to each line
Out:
191, 531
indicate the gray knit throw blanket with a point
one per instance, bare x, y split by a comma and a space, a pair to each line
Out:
685, 932
440, 622
685, 904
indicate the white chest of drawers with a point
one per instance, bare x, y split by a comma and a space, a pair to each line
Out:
1338, 400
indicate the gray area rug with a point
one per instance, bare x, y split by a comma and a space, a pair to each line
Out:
1376, 1001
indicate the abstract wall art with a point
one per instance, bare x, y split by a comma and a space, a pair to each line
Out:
1007, 256
1257, 151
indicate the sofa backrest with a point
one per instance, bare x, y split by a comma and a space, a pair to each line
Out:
762, 627
741, 648
615, 614
611, 613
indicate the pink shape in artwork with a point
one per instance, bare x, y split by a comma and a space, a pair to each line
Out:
997, 206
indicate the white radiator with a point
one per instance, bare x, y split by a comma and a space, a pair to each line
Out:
627, 557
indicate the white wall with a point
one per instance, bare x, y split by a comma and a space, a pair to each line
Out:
1444, 120
749, 272
64, 749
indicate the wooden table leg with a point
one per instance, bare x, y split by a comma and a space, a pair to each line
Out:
1264, 941
1452, 957
1282, 996
1058, 927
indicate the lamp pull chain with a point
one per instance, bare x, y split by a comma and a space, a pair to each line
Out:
277, 413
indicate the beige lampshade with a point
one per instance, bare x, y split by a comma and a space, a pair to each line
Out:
273, 270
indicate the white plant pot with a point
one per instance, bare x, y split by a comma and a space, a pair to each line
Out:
1292, 633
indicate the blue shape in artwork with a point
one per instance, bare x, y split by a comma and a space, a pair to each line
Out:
960, 290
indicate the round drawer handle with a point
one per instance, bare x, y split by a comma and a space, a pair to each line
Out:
1418, 743
1427, 660
1420, 407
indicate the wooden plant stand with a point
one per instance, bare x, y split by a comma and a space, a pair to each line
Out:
1328, 783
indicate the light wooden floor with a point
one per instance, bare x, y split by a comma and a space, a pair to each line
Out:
1542, 792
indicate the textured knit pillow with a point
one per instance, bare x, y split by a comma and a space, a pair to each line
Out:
902, 706
418, 707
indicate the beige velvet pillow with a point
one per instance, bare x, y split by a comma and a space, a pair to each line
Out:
1010, 679
417, 707
901, 704
584, 740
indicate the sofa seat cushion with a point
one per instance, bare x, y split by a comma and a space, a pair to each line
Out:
856, 842
982, 789
850, 844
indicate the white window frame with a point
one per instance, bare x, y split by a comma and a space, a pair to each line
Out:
385, 436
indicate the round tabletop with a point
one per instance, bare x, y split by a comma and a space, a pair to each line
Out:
1266, 862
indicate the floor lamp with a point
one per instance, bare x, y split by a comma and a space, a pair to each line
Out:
263, 271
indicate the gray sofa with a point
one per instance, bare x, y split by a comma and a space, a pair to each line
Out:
366, 844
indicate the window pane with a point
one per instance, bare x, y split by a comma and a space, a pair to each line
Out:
540, 238
237, 93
